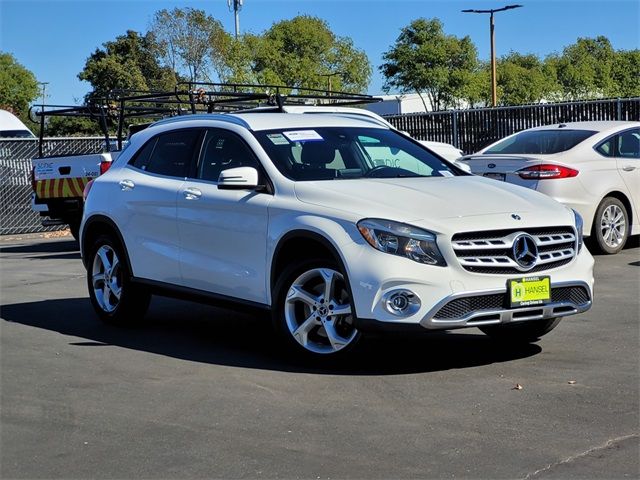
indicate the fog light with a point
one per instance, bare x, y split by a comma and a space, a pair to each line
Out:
401, 303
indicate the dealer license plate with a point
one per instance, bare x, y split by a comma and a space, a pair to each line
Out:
495, 176
527, 291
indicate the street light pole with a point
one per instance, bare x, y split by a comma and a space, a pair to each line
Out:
492, 26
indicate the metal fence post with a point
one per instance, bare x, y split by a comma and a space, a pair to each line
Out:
618, 109
454, 127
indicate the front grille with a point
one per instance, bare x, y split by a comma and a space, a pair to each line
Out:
461, 307
492, 251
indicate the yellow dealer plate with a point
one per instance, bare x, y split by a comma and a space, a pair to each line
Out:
524, 292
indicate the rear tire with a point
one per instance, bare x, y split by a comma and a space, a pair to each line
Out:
313, 310
114, 297
74, 228
525, 332
610, 226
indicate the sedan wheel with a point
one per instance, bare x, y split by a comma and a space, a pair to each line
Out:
610, 226
317, 312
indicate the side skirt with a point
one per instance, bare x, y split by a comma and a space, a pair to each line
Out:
201, 296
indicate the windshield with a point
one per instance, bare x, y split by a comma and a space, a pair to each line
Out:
328, 153
540, 141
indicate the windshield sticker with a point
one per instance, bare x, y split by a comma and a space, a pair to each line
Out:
445, 173
277, 139
303, 135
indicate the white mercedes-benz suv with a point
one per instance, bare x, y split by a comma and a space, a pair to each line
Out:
336, 225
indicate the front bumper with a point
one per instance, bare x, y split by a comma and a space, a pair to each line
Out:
452, 297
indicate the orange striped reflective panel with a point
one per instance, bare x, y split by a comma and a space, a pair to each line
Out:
61, 187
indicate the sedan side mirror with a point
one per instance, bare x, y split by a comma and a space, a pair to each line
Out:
240, 178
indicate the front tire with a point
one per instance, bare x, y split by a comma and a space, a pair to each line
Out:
313, 310
114, 297
610, 226
525, 332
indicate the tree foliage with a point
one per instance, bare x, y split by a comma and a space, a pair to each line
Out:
128, 62
191, 42
18, 86
426, 60
524, 79
304, 52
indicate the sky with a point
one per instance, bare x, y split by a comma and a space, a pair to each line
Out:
53, 38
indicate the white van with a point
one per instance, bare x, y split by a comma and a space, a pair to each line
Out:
12, 127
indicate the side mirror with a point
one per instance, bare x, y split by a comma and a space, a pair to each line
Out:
464, 166
240, 178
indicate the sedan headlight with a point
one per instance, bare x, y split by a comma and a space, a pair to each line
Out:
402, 240
579, 226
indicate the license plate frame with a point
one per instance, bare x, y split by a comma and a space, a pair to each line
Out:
501, 177
529, 291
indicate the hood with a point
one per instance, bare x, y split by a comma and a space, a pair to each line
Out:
442, 204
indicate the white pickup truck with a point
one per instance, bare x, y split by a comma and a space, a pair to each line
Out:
58, 186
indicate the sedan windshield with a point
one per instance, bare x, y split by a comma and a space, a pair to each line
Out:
327, 153
540, 141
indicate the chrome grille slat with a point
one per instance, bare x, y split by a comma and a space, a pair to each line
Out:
491, 251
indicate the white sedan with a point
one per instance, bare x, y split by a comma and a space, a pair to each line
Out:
592, 167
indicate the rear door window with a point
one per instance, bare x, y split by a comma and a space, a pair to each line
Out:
169, 154
628, 144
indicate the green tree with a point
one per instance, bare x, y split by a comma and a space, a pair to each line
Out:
128, 62
585, 69
18, 86
427, 61
524, 79
191, 42
304, 52
625, 72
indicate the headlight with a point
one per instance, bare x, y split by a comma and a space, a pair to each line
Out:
579, 226
402, 240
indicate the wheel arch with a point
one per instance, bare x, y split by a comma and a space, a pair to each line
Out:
617, 194
295, 245
101, 225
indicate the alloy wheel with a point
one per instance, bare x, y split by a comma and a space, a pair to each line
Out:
318, 313
107, 278
613, 226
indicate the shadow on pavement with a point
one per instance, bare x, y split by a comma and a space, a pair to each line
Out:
58, 246
205, 334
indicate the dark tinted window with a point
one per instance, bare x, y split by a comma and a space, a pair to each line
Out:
326, 153
541, 141
16, 134
173, 153
629, 144
141, 159
223, 150
607, 148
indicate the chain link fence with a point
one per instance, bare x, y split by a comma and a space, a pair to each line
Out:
16, 215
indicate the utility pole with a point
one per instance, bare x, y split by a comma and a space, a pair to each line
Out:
44, 89
236, 5
494, 88
329, 75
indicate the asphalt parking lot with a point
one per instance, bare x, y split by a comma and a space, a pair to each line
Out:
203, 392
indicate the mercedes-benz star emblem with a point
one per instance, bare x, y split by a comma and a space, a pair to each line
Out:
525, 251
515, 216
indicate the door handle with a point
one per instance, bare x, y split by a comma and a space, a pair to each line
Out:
628, 168
192, 193
126, 185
